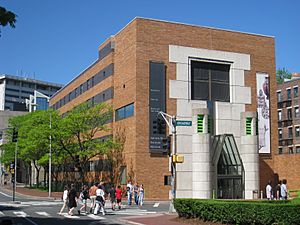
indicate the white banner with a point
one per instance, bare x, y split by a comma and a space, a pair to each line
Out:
263, 111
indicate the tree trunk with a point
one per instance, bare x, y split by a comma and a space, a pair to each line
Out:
38, 168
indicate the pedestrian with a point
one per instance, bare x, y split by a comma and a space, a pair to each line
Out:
269, 191
92, 194
72, 199
283, 190
141, 195
84, 196
100, 199
129, 189
136, 193
278, 190
119, 196
65, 199
112, 196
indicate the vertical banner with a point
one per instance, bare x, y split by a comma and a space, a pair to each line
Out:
263, 111
157, 102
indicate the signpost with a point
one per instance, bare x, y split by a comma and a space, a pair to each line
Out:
183, 123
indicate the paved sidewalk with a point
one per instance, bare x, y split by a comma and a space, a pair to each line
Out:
28, 192
163, 219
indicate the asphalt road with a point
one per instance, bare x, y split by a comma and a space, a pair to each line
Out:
43, 211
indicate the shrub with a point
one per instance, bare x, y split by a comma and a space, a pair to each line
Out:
240, 212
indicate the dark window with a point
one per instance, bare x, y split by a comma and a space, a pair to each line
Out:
279, 115
296, 92
291, 150
280, 133
296, 110
290, 129
125, 112
297, 149
167, 180
289, 113
279, 151
41, 103
81, 89
279, 96
297, 131
288, 91
210, 81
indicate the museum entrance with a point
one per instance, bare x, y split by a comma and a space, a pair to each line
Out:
229, 170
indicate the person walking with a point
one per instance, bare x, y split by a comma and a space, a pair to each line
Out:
112, 196
65, 199
72, 199
119, 196
92, 194
136, 193
283, 190
278, 190
129, 189
100, 199
141, 195
269, 191
84, 195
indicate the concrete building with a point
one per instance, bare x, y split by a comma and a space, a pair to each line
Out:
15, 90
221, 80
288, 132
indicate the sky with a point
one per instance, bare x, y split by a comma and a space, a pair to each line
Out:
55, 40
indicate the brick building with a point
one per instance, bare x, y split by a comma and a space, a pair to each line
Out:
205, 75
288, 132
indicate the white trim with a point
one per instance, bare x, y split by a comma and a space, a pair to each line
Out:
278, 91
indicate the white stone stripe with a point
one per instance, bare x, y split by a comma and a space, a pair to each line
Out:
96, 217
43, 214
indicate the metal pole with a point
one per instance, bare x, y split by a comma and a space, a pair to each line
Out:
173, 165
15, 175
50, 156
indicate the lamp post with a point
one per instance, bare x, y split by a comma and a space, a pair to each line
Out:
50, 155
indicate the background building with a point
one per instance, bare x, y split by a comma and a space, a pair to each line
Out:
15, 90
221, 80
288, 132
37, 101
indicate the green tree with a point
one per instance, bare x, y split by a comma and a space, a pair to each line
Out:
7, 17
282, 74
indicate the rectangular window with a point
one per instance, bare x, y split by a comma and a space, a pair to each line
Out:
279, 151
279, 115
296, 92
167, 180
290, 129
291, 150
125, 112
279, 96
297, 149
289, 113
296, 111
210, 81
123, 179
288, 93
297, 131
280, 134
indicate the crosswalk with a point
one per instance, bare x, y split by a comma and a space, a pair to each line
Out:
52, 214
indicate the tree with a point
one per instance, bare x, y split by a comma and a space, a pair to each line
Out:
78, 134
282, 74
7, 17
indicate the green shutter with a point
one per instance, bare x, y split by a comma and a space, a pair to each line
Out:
256, 126
248, 126
200, 123
209, 125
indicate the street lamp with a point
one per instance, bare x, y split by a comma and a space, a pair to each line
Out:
50, 155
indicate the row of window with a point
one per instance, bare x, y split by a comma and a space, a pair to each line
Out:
124, 112
288, 93
290, 132
291, 150
30, 85
289, 113
96, 79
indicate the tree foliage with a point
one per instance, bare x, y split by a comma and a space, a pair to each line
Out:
282, 74
7, 17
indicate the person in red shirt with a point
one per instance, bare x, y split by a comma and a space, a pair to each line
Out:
119, 196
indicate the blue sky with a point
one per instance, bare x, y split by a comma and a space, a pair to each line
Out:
54, 40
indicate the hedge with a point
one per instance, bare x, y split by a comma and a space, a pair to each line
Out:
240, 212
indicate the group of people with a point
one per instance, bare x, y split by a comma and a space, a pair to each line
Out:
281, 191
97, 196
137, 192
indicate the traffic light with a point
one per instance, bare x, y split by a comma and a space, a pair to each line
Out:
14, 135
161, 125
166, 144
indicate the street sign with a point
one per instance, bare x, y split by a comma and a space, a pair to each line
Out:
186, 123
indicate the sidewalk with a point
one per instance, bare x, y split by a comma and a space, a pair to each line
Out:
163, 219
27, 192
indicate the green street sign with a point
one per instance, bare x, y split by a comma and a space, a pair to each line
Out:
182, 123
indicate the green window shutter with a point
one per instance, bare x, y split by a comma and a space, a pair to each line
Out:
256, 126
200, 123
248, 126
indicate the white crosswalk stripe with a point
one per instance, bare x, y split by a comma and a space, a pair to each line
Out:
43, 214
20, 214
95, 217
2, 214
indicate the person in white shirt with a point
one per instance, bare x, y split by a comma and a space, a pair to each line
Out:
100, 199
65, 199
130, 190
269, 191
284, 191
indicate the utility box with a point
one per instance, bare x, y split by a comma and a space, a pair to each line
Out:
255, 194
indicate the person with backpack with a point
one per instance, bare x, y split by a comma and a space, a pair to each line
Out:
84, 196
100, 199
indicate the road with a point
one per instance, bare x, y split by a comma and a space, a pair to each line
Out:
42, 211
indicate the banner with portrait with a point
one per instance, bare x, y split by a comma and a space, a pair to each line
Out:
263, 111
